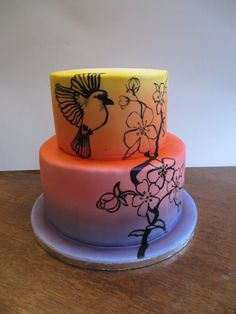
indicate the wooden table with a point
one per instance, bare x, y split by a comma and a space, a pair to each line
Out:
200, 279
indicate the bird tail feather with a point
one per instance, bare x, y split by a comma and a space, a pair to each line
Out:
81, 144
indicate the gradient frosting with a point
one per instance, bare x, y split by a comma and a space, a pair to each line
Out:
128, 89
73, 186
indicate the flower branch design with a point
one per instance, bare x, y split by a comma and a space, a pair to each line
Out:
141, 132
145, 198
160, 97
111, 202
132, 88
162, 176
133, 85
162, 172
176, 185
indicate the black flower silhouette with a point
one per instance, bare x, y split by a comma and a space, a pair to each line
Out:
124, 101
152, 176
111, 202
146, 197
133, 85
142, 131
175, 185
163, 172
159, 96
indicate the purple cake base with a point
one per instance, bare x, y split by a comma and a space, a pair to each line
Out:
113, 258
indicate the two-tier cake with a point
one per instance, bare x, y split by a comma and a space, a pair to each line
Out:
112, 176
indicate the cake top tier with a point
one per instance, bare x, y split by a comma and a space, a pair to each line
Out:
110, 114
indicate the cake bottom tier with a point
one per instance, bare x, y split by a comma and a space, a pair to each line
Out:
113, 203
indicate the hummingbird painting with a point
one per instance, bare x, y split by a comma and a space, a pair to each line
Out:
84, 105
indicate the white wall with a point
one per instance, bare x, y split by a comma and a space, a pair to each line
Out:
194, 40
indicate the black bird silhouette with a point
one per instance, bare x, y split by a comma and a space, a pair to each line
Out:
84, 106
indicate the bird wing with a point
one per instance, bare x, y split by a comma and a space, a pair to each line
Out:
86, 83
71, 104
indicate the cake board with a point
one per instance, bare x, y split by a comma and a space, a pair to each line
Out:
113, 258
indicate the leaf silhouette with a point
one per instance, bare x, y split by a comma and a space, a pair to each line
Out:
156, 226
136, 233
116, 189
133, 149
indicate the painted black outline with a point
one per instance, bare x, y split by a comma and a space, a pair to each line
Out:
120, 197
73, 102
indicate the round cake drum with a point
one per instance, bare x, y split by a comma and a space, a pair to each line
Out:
113, 258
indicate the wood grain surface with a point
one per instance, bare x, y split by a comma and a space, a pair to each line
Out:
200, 279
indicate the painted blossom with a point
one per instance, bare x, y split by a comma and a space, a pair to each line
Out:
175, 185
123, 101
133, 85
142, 131
146, 197
162, 172
159, 96
111, 202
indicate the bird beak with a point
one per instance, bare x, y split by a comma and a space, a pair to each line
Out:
105, 100
108, 101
